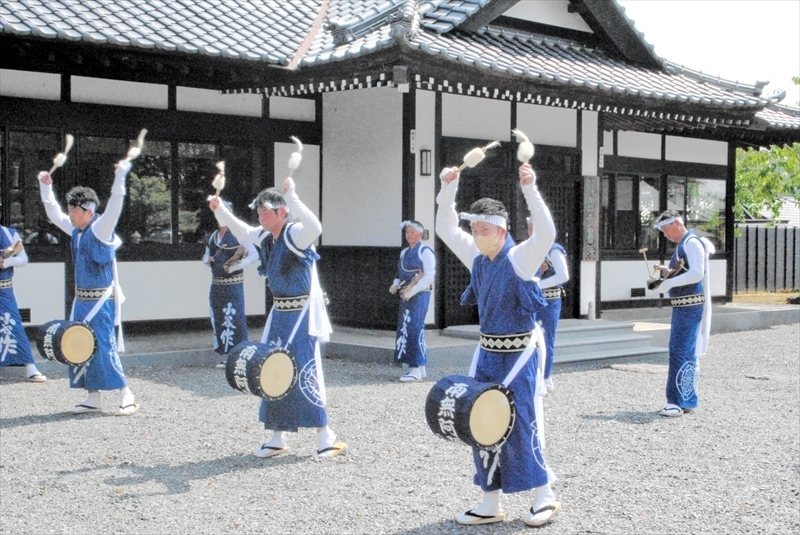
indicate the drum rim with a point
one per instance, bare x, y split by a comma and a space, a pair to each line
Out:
295, 374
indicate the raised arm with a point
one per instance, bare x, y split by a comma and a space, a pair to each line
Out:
460, 242
51, 207
243, 232
528, 256
104, 226
307, 227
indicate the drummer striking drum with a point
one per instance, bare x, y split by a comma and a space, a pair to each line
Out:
502, 286
298, 319
97, 293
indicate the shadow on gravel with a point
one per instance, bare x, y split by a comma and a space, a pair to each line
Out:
36, 419
627, 417
177, 479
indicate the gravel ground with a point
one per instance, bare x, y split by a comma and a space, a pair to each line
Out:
184, 463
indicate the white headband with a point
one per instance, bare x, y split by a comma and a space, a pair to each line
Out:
529, 220
90, 206
413, 225
497, 220
664, 222
266, 204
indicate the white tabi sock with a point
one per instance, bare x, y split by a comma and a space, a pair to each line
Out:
326, 438
30, 369
127, 397
543, 496
278, 440
490, 505
93, 399
415, 372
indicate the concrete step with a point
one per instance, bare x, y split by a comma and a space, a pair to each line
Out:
643, 352
602, 345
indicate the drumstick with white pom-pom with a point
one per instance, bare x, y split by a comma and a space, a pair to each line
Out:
525, 149
219, 180
296, 157
476, 155
61, 157
136, 148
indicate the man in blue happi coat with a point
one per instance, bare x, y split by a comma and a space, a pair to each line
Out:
416, 270
227, 259
15, 349
298, 320
502, 286
552, 276
686, 279
98, 295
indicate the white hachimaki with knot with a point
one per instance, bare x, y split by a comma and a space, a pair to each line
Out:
136, 148
296, 157
219, 180
525, 149
61, 157
476, 155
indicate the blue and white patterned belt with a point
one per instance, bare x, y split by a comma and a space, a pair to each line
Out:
91, 294
5, 283
687, 300
552, 293
290, 304
506, 343
236, 279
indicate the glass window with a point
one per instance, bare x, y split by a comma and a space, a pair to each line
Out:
196, 171
649, 204
705, 209
28, 153
149, 202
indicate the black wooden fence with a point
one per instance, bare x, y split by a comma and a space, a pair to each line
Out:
766, 259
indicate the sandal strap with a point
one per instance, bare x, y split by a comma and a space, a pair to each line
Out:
543, 509
476, 515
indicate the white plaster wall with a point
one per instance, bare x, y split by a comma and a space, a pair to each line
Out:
589, 149
618, 277
40, 287
425, 186
173, 290
638, 145
306, 177
608, 143
210, 101
548, 125
476, 118
26, 84
553, 12
118, 93
682, 149
297, 109
588, 286
362, 167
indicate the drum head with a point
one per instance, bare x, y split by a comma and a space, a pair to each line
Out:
77, 344
490, 417
278, 374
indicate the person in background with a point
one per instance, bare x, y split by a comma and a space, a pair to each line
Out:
686, 279
416, 270
227, 259
15, 349
552, 275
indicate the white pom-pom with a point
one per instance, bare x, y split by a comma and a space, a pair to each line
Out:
525, 149
474, 157
294, 160
219, 180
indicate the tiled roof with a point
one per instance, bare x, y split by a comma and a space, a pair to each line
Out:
269, 31
777, 116
272, 31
